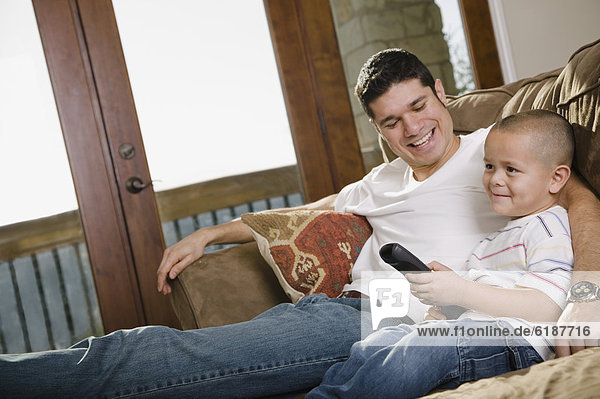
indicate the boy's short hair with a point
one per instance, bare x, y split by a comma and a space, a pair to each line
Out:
552, 140
386, 68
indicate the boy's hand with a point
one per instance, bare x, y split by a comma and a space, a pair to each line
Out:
442, 287
435, 313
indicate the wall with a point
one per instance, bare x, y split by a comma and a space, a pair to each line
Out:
540, 35
365, 27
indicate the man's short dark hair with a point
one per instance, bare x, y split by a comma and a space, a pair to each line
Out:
385, 69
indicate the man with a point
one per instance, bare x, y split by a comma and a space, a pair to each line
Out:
404, 115
287, 349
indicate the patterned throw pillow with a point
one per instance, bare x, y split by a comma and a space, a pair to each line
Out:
309, 251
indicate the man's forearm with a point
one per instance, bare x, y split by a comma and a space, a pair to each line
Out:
584, 217
237, 232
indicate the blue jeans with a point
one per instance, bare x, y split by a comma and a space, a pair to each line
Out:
398, 362
285, 350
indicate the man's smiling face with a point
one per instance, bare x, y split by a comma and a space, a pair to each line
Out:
416, 125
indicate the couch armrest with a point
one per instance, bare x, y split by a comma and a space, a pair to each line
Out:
224, 287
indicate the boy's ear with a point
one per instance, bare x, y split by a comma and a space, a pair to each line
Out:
559, 178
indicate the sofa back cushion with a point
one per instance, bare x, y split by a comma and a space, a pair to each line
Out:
578, 87
572, 91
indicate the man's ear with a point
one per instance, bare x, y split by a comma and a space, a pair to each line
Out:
376, 127
439, 91
559, 178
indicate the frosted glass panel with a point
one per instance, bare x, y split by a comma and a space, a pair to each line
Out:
206, 88
47, 295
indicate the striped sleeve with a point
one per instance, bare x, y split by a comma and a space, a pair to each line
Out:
549, 255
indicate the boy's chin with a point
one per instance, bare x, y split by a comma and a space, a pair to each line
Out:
506, 212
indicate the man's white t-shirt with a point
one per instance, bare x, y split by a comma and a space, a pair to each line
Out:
442, 218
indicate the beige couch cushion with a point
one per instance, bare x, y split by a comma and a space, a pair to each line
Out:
575, 376
578, 87
587, 156
225, 287
534, 93
487, 103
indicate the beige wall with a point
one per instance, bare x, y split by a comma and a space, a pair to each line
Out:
540, 35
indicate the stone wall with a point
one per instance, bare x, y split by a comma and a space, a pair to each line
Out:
365, 27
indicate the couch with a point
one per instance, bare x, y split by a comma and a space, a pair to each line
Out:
238, 283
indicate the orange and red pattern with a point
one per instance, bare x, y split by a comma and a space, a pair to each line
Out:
311, 251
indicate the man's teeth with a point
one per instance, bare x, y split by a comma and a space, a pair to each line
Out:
423, 140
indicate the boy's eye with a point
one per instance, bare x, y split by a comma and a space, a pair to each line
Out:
489, 166
510, 169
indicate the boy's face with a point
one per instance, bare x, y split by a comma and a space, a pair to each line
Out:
517, 183
416, 125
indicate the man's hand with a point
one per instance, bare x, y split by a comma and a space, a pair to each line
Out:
582, 313
442, 287
179, 256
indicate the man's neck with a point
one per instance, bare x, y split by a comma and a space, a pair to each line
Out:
424, 172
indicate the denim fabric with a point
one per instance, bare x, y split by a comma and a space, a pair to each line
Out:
284, 350
396, 362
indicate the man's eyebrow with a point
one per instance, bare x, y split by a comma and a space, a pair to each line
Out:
417, 100
412, 104
386, 119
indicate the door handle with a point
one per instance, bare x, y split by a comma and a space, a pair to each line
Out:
134, 185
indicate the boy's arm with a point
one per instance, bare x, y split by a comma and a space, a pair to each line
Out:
445, 287
584, 217
525, 303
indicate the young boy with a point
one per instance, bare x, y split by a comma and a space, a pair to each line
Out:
517, 275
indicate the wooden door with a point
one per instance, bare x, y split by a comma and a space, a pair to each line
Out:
123, 259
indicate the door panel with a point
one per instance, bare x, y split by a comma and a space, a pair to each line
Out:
121, 127
90, 159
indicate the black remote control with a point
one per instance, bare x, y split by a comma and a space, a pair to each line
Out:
401, 259
404, 261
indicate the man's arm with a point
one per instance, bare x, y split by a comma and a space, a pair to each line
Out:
181, 254
584, 218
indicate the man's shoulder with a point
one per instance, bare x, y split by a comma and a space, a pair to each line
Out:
385, 177
382, 172
478, 136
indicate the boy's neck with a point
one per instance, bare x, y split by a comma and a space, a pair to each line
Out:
545, 208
